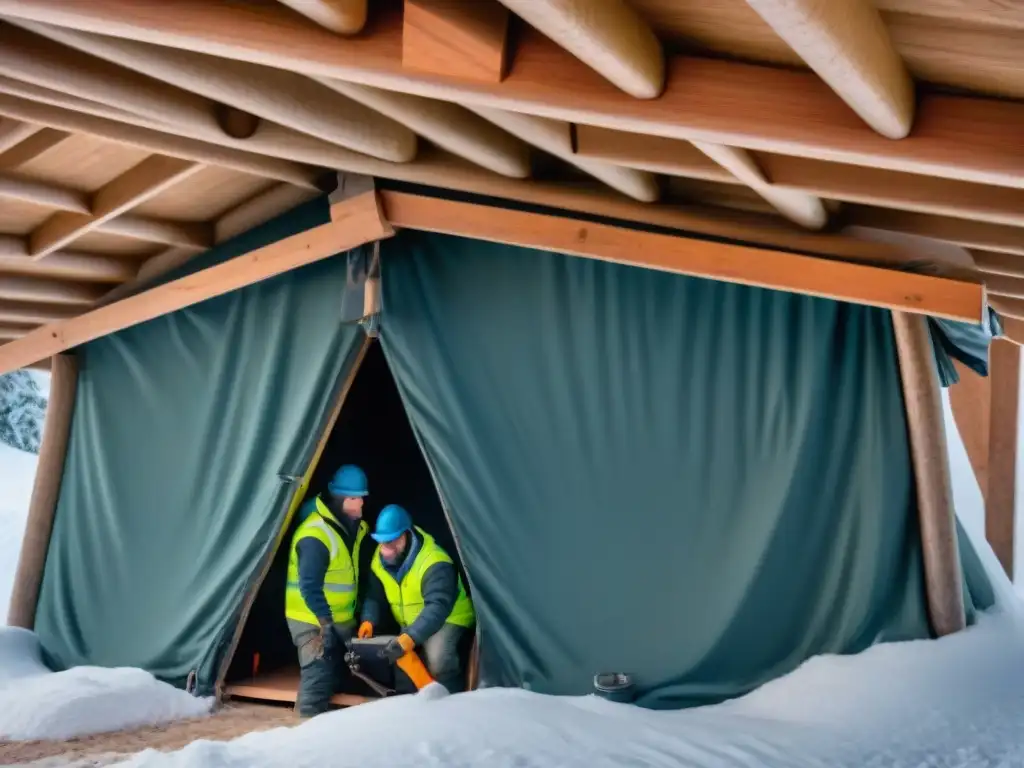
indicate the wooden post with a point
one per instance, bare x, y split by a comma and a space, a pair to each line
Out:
936, 515
45, 492
1001, 475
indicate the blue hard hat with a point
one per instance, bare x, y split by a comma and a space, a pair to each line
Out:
349, 480
392, 522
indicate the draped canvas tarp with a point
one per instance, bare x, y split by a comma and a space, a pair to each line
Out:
189, 436
697, 483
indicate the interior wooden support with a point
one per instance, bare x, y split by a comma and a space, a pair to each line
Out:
69, 265
9, 332
555, 137
45, 490
744, 105
27, 56
607, 35
1013, 329
38, 192
283, 97
1006, 307
449, 126
346, 17
136, 185
359, 221
34, 313
1001, 479
195, 234
24, 288
970, 234
969, 401
936, 515
797, 206
833, 181
1004, 285
13, 132
159, 142
847, 44
859, 283
464, 39
995, 263
42, 140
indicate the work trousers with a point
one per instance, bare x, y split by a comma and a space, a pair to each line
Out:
320, 677
440, 652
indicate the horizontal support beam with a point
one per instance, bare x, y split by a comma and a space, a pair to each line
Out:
723, 102
857, 283
354, 222
69, 265
21, 288
34, 313
970, 234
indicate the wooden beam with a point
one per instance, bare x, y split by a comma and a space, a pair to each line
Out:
874, 286
69, 265
283, 97
1004, 285
555, 137
158, 142
847, 44
797, 206
1014, 329
34, 313
970, 234
359, 220
969, 402
464, 39
45, 491
13, 132
133, 187
607, 35
936, 515
1007, 307
191, 234
650, 153
1000, 496
743, 105
9, 332
35, 145
995, 263
346, 17
449, 126
41, 193
22, 288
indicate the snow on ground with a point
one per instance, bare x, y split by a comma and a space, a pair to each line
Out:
17, 473
36, 703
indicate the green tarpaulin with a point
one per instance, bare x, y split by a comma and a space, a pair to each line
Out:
697, 483
188, 435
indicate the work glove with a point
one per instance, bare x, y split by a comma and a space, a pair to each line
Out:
365, 630
397, 648
329, 640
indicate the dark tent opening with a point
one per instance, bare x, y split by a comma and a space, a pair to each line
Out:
373, 431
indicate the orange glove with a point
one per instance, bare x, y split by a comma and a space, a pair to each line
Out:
406, 642
397, 648
365, 630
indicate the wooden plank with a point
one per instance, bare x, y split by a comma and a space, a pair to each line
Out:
13, 132
138, 184
346, 17
995, 263
34, 313
283, 686
22, 288
35, 145
45, 491
724, 102
70, 265
463, 39
847, 44
360, 221
858, 283
1001, 479
970, 234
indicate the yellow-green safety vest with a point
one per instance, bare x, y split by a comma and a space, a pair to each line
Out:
342, 578
406, 599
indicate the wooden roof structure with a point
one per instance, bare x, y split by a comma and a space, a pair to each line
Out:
134, 135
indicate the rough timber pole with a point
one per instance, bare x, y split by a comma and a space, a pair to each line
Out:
936, 514
50, 470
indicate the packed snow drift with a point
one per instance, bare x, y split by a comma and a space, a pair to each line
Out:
36, 703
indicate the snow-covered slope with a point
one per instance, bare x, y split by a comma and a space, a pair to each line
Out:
17, 473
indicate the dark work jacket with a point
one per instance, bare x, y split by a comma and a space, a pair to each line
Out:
440, 590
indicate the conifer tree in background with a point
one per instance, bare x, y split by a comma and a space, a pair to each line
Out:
22, 409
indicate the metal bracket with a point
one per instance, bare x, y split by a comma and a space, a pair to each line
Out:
350, 185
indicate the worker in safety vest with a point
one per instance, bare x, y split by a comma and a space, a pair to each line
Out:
323, 583
420, 583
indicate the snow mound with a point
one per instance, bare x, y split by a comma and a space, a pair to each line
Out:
36, 703
958, 701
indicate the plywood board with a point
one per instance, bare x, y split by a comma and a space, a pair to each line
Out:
129, 247
282, 685
19, 218
82, 162
205, 196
